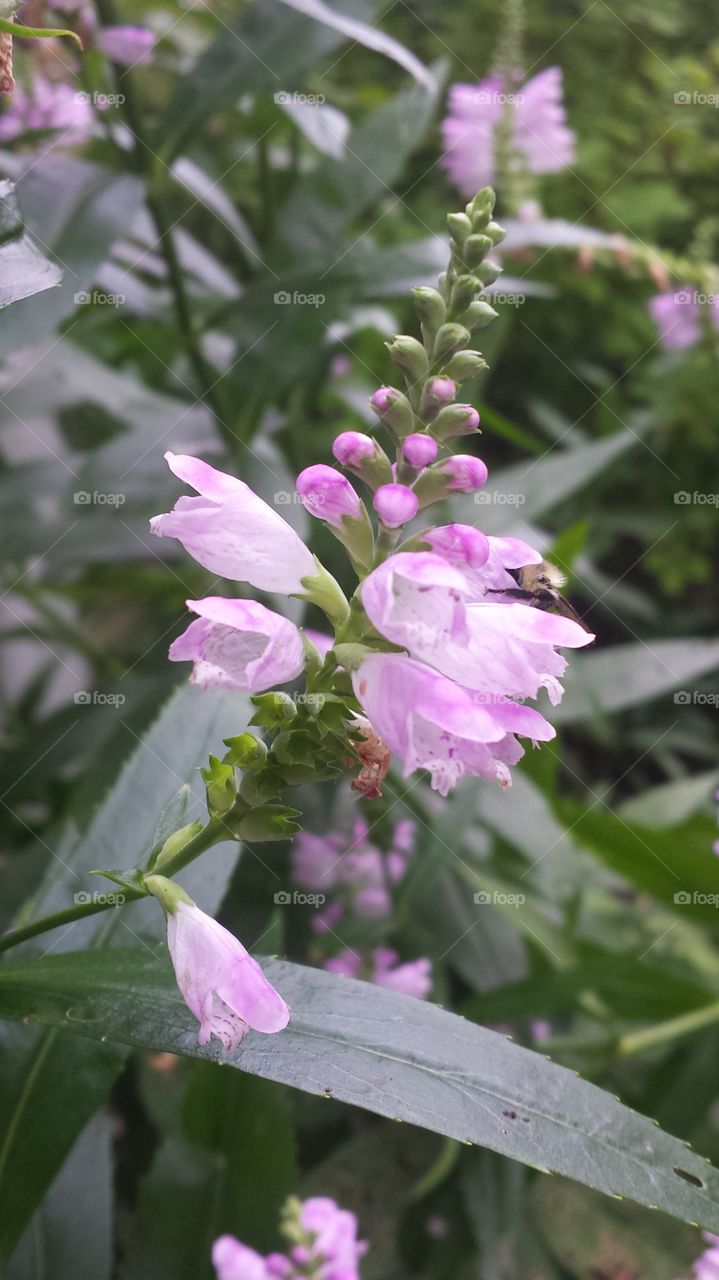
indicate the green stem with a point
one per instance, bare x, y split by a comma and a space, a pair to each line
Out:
59, 918
638, 1041
145, 164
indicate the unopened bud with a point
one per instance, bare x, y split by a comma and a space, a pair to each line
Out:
455, 420
464, 291
462, 473
362, 455
459, 226
481, 208
465, 364
430, 306
478, 315
410, 355
419, 451
450, 338
328, 494
488, 272
245, 751
394, 409
475, 249
496, 233
395, 504
221, 786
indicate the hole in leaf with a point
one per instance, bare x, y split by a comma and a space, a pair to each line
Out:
691, 1178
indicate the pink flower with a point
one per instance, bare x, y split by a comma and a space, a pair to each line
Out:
678, 316
235, 1261
232, 532
239, 644
411, 979
432, 723
419, 601
484, 561
127, 45
316, 860
706, 1267
466, 472
328, 494
540, 131
419, 450
47, 105
352, 448
335, 1247
219, 981
395, 504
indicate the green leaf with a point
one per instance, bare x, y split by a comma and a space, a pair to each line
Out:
24, 270
16, 29
361, 33
51, 1085
78, 1207
628, 674
390, 1054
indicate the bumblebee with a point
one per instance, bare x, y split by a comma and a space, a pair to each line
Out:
539, 585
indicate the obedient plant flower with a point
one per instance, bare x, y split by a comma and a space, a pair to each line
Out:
539, 129
433, 723
679, 316
706, 1266
328, 494
413, 978
232, 532
356, 869
419, 451
128, 45
239, 644
395, 505
219, 981
323, 1245
47, 104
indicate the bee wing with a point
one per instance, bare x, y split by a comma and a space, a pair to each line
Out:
563, 607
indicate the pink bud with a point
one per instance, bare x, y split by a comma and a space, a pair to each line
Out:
328, 495
467, 472
420, 450
384, 398
352, 448
441, 389
395, 504
472, 420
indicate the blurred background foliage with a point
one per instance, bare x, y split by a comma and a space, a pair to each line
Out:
585, 415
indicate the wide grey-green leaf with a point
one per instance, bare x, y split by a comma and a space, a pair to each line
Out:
24, 270
76, 209
362, 33
50, 1085
391, 1054
520, 493
628, 674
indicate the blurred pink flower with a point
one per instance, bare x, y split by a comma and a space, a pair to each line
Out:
539, 133
413, 978
48, 104
127, 45
220, 982
235, 1261
239, 644
335, 1251
706, 1266
678, 316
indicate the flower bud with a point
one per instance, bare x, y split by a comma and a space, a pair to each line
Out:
461, 473
466, 472
271, 822
496, 233
221, 785
465, 364
450, 337
488, 272
362, 455
463, 292
328, 495
455, 420
176, 843
395, 504
394, 409
459, 226
419, 451
410, 355
273, 709
475, 249
481, 207
478, 315
438, 391
430, 306
245, 751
